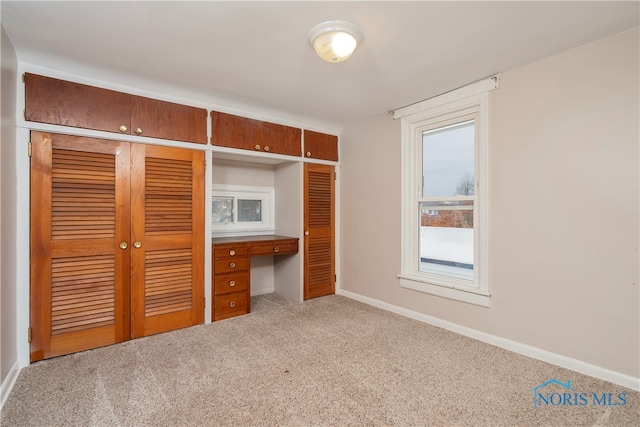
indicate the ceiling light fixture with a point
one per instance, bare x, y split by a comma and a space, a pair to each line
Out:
335, 41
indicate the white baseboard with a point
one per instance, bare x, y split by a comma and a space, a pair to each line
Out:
262, 291
517, 347
8, 383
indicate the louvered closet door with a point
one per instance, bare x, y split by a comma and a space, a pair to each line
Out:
167, 208
319, 223
79, 216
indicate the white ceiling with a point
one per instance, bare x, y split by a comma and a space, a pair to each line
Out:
255, 56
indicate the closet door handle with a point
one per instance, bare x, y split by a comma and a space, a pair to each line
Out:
123, 245
137, 244
122, 128
138, 131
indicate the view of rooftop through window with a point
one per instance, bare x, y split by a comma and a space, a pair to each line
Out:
447, 203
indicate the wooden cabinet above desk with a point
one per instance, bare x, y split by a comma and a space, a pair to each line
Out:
231, 270
248, 134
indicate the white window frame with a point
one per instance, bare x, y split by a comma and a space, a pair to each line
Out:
460, 104
242, 228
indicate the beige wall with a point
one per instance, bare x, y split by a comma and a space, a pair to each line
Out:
231, 172
563, 206
8, 196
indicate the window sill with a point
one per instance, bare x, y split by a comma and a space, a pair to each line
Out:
244, 232
467, 294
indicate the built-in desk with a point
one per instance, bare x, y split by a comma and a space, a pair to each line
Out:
231, 265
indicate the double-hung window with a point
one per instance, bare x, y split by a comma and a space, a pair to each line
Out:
447, 197
444, 197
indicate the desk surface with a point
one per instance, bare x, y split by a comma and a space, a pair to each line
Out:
242, 239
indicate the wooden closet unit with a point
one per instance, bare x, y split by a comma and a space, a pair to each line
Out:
60, 102
320, 146
232, 131
319, 226
117, 241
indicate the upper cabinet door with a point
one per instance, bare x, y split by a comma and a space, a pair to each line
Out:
281, 139
59, 102
320, 146
160, 119
232, 131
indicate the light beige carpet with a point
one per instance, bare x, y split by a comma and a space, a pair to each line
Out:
329, 361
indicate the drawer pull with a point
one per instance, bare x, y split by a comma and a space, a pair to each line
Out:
232, 252
276, 249
232, 265
232, 304
232, 283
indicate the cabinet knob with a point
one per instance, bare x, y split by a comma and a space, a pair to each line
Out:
308, 153
138, 131
122, 128
232, 252
257, 147
276, 249
306, 233
232, 283
232, 265
266, 148
232, 303
137, 245
123, 245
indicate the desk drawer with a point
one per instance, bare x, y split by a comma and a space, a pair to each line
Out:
234, 282
220, 251
275, 248
231, 305
229, 265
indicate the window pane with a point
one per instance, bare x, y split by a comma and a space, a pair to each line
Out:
222, 209
249, 210
446, 238
448, 160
